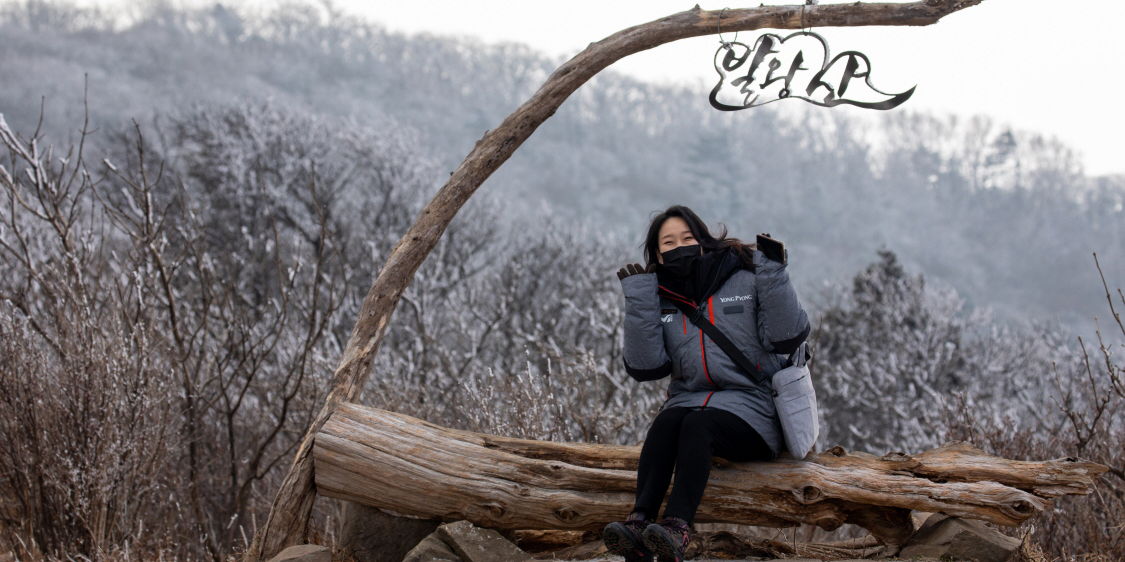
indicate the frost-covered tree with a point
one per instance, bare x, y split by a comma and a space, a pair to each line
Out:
893, 354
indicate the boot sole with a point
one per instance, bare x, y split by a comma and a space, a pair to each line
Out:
619, 540
663, 546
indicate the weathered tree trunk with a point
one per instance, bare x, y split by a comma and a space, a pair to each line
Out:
288, 520
409, 466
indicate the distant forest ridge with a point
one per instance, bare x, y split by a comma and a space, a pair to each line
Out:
1006, 217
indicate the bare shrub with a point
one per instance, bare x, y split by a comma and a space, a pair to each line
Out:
216, 268
85, 437
87, 423
188, 361
575, 401
520, 338
1085, 418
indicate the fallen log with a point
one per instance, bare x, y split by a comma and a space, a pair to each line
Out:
409, 466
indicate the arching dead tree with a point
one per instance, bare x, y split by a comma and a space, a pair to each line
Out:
288, 520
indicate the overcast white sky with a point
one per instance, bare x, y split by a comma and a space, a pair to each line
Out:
1052, 66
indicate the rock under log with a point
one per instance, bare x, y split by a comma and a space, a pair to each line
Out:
409, 466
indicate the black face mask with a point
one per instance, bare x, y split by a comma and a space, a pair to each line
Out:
680, 262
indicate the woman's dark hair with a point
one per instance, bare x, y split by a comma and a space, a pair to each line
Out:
708, 241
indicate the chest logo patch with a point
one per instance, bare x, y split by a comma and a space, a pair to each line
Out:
667, 318
736, 299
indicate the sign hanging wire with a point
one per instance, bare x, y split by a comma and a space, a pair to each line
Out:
807, 3
719, 28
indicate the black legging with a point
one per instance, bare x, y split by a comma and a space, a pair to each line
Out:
684, 439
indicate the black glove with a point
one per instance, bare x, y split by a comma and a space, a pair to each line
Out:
635, 269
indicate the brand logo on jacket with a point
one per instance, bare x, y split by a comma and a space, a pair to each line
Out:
736, 299
667, 318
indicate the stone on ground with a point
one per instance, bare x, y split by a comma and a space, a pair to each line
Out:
959, 539
304, 553
474, 544
432, 549
370, 534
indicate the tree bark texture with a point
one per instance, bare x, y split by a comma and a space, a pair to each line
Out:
289, 514
409, 466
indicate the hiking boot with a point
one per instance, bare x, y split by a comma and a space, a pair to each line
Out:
668, 539
624, 538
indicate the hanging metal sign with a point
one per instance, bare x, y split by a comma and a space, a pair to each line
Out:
798, 66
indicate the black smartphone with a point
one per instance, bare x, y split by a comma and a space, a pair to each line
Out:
773, 249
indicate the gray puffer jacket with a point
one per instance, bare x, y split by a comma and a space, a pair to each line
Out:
757, 310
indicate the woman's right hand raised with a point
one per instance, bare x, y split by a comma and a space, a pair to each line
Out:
635, 269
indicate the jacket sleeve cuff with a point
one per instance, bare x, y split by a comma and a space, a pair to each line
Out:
764, 264
790, 345
642, 375
641, 286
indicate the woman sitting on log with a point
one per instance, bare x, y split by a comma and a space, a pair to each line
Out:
714, 408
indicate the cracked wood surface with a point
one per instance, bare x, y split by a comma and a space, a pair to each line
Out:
409, 466
287, 523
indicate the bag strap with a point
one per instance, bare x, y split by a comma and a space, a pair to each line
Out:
722, 341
